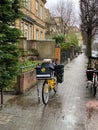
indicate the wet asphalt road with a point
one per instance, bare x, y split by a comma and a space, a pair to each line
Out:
65, 111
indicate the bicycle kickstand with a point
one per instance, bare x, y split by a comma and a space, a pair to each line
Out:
38, 94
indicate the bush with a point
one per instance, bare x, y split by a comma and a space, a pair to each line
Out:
59, 38
28, 65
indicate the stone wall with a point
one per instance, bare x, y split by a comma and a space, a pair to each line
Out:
46, 48
26, 81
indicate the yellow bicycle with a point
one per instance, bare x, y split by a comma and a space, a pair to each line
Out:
52, 75
49, 85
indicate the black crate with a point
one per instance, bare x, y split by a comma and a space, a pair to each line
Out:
59, 71
59, 68
89, 73
60, 78
45, 71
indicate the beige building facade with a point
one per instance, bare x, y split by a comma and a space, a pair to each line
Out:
53, 25
32, 23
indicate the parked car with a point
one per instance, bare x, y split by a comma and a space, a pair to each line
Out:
94, 53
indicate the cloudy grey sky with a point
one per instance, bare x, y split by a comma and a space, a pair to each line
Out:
52, 3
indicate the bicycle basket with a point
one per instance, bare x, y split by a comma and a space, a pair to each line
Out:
45, 71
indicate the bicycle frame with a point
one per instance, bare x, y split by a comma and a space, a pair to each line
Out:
95, 79
52, 82
94, 83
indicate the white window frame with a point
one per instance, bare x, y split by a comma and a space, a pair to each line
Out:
36, 8
41, 12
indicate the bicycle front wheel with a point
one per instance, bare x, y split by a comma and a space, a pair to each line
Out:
45, 92
94, 90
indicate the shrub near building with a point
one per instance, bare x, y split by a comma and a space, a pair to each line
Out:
66, 41
9, 35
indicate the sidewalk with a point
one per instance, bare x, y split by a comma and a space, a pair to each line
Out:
92, 115
73, 109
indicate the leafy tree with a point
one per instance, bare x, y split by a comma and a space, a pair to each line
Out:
89, 22
71, 40
60, 38
65, 42
9, 35
65, 46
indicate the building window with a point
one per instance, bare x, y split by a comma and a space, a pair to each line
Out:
31, 35
26, 31
36, 8
26, 4
41, 12
41, 35
37, 34
29, 3
22, 27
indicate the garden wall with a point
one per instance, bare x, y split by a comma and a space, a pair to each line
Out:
46, 48
26, 81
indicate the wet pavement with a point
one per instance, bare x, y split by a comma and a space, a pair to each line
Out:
73, 108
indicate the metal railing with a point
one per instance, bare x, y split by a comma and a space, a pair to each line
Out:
64, 56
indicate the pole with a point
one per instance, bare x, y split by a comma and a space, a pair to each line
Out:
1, 97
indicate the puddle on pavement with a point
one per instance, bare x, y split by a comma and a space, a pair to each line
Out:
22, 102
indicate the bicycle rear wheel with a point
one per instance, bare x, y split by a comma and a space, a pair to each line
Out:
94, 88
45, 92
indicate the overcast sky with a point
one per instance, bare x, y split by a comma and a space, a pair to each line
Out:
52, 3
49, 2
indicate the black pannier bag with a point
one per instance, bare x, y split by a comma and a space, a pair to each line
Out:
44, 71
89, 73
59, 70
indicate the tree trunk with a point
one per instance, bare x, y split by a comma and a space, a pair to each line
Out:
89, 45
1, 97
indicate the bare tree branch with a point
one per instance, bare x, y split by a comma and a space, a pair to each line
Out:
89, 21
65, 10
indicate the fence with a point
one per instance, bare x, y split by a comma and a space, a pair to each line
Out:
64, 56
